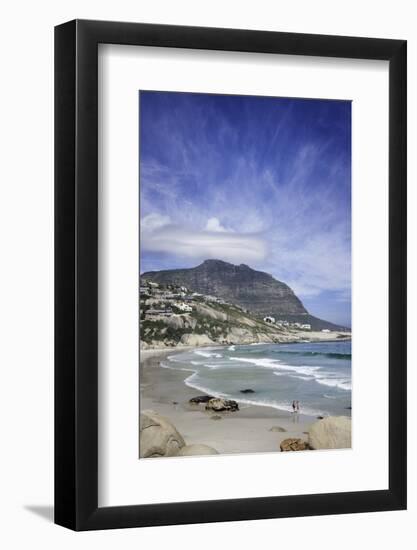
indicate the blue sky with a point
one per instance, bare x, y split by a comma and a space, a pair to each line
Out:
256, 180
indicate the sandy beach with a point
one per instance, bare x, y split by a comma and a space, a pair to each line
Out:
251, 429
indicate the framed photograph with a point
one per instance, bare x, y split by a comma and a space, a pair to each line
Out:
230, 329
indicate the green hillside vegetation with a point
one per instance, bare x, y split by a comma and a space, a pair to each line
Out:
222, 323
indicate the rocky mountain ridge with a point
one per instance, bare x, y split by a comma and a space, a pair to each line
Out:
255, 291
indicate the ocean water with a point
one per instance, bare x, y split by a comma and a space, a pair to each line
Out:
317, 374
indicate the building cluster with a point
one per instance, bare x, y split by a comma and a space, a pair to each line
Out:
287, 324
164, 301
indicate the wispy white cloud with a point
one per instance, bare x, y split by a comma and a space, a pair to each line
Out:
154, 221
159, 234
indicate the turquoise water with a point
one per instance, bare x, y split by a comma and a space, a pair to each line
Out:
318, 375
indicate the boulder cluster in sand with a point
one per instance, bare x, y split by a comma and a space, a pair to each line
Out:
159, 437
333, 432
217, 404
200, 399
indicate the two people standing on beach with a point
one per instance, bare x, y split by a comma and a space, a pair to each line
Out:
295, 406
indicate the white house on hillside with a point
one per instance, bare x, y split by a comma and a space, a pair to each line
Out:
269, 319
209, 298
184, 307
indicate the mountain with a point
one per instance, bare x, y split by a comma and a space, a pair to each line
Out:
255, 291
239, 284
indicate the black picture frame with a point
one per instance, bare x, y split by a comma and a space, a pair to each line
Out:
76, 272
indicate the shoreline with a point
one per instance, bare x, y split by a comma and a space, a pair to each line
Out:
251, 429
302, 337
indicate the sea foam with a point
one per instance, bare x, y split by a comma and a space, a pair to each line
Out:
223, 372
